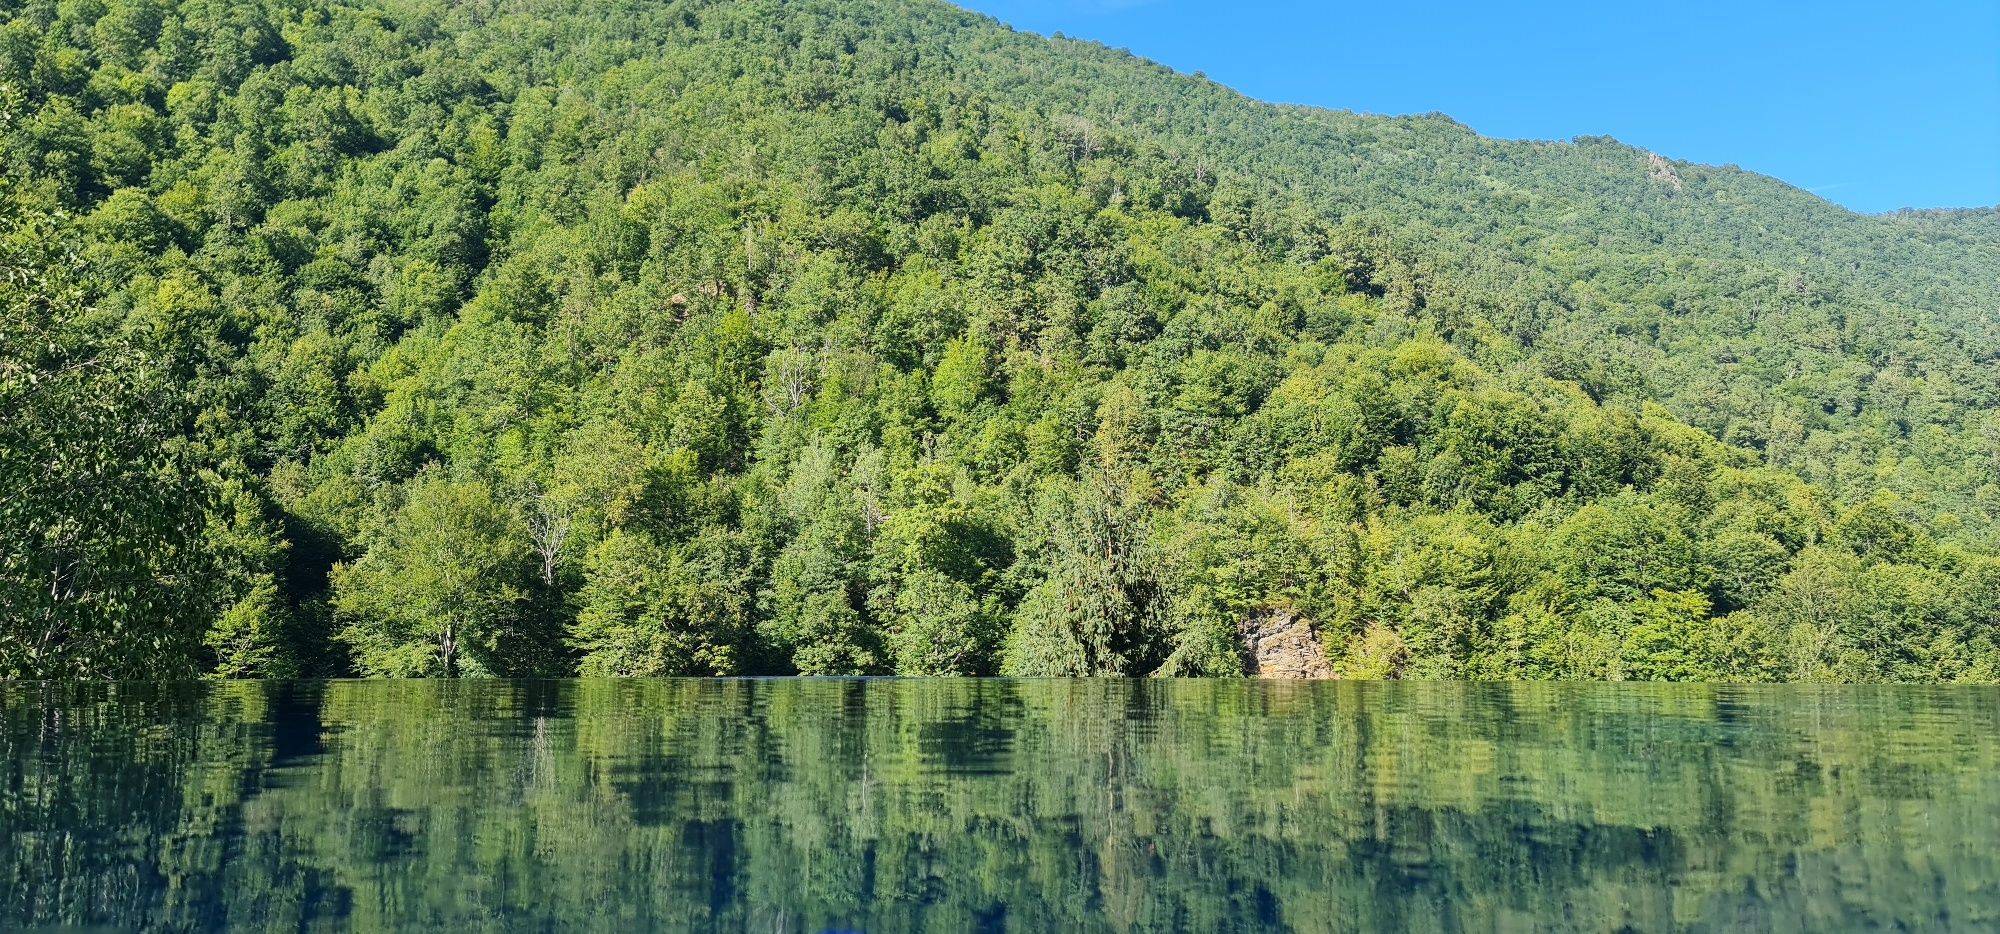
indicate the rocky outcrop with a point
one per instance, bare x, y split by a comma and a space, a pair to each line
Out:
1660, 170
1282, 646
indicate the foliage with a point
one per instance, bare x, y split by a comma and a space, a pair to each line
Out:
438, 591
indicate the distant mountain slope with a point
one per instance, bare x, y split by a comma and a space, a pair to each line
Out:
1747, 305
847, 336
1829, 340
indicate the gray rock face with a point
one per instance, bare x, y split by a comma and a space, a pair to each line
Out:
1282, 646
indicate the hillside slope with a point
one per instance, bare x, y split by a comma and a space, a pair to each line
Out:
855, 337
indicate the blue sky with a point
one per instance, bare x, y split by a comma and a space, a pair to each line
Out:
1875, 106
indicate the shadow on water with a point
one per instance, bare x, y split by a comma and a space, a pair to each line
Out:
884, 805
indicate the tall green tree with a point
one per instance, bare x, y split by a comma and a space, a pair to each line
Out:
441, 590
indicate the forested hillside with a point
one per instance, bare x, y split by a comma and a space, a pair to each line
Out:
402, 337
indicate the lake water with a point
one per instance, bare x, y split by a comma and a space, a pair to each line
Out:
882, 805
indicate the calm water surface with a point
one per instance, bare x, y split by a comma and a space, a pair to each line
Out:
821, 805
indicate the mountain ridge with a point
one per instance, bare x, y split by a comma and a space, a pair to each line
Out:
1448, 119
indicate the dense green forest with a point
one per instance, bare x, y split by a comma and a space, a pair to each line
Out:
508, 337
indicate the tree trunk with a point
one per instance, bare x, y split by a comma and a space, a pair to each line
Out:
448, 649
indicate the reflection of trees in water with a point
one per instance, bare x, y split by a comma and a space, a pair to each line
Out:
795, 806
